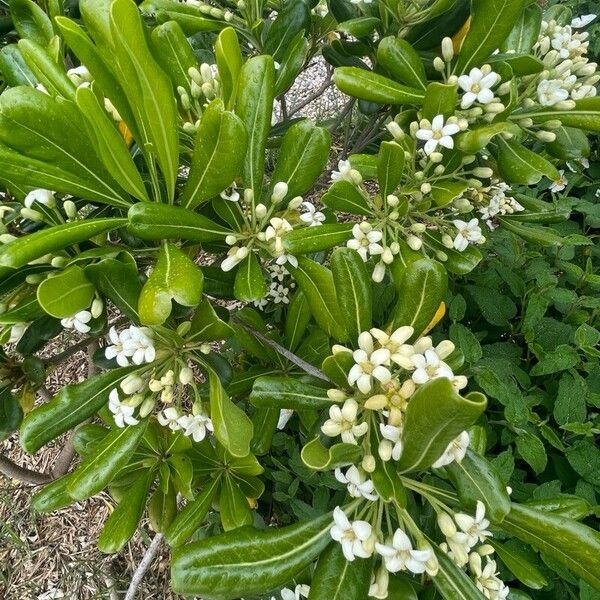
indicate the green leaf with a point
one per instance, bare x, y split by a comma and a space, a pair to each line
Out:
564, 505
72, 405
473, 140
440, 99
162, 508
206, 325
314, 239
66, 293
288, 392
492, 21
452, 582
250, 281
182, 474
517, 563
401, 61
353, 289
566, 541
459, 263
175, 277
124, 519
25, 249
148, 90
477, 479
525, 31
11, 413
109, 457
191, 517
292, 18
336, 578
219, 151
255, 96
53, 496
343, 196
158, 222
570, 405
422, 291
30, 21
292, 63
297, 319
232, 426
385, 477
518, 164
302, 158
585, 115
532, 450
366, 85
337, 367
543, 236
435, 416
13, 67
229, 64
562, 358
316, 282
444, 192
318, 457
248, 559
360, 27
390, 166
233, 506
584, 458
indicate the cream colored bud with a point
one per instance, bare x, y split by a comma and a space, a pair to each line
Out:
446, 524
280, 191
565, 105
34, 278
70, 209
441, 256
395, 248
147, 407
242, 252
189, 128
503, 89
355, 176
545, 136
186, 376
196, 90
231, 240
452, 80
494, 107
248, 196
337, 349
395, 130
205, 349
439, 65
553, 124
447, 49
485, 172
447, 241
368, 463
377, 402
388, 256
295, 202
132, 384
58, 262
425, 187
336, 395
394, 215
32, 215
385, 450
436, 157
418, 227
392, 200
97, 308
463, 205
260, 210
195, 76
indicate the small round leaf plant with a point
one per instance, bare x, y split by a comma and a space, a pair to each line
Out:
154, 209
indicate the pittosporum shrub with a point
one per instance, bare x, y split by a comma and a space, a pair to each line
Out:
273, 381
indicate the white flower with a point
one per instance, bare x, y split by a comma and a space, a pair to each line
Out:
122, 413
230, 194
352, 536
467, 233
499, 204
285, 414
133, 342
170, 418
561, 183
565, 43
277, 228
366, 240
279, 293
359, 486
582, 21
436, 133
551, 91
347, 173
455, 451
391, 445
369, 364
457, 545
312, 217
79, 321
475, 527
79, 75
300, 591
45, 197
342, 421
395, 342
194, 426
486, 578
477, 87
284, 258
429, 365
399, 555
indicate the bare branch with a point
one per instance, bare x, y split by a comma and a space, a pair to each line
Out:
144, 565
13, 471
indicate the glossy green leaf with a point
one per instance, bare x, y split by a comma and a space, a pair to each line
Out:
564, 505
570, 143
23, 250
543, 236
366, 85
390, 166
175, 278
66, 293
232, 426
435, 416
343, 196
191, 517
315, 239
72, 405
422, 291
53, 496
518, 164
473, 140
294, 17
11, 413
219, 151
248, 559
585, 115
229, 63
124, 519
250, 281
292, 62
354, 290
520, 64
572, 544
444, 192
148, 90
477, 479
297, 319
288, 392
401, 61
13, 67
335, 578
206, 325
316, 282
525, 31
492, 21
162, 508
316, 456
452, 582
234, 509
110, 456
254, 106
440, 99
30, 21
302, 158
337, 367
360, 26
265, 422
517, 563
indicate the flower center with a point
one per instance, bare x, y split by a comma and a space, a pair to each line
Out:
476, 88
367, 367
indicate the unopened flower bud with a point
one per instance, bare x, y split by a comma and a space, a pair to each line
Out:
186, 376
189, 128
447, 241
446, 524
484, 172
441, 256
436, 157
33, 215
425, 187
395, 130
447, 49
438, 64
132, 384
368, 463
230, 240
97, 308
70, 209
280, 191
184, 328
565, 105
418, 227
248, 196
376, 402
336, 395
392, 200
58, 262
414, 242
260, 210
545, 136
147, 407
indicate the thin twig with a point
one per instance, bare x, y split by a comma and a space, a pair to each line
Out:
13, 471
58, 358
293, 358
144, 565
311, 97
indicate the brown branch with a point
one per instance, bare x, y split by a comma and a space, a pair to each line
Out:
12, 470
144, 565
312, 97
293, 358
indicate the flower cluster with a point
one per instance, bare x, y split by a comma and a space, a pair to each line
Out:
133, 344
281, 287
